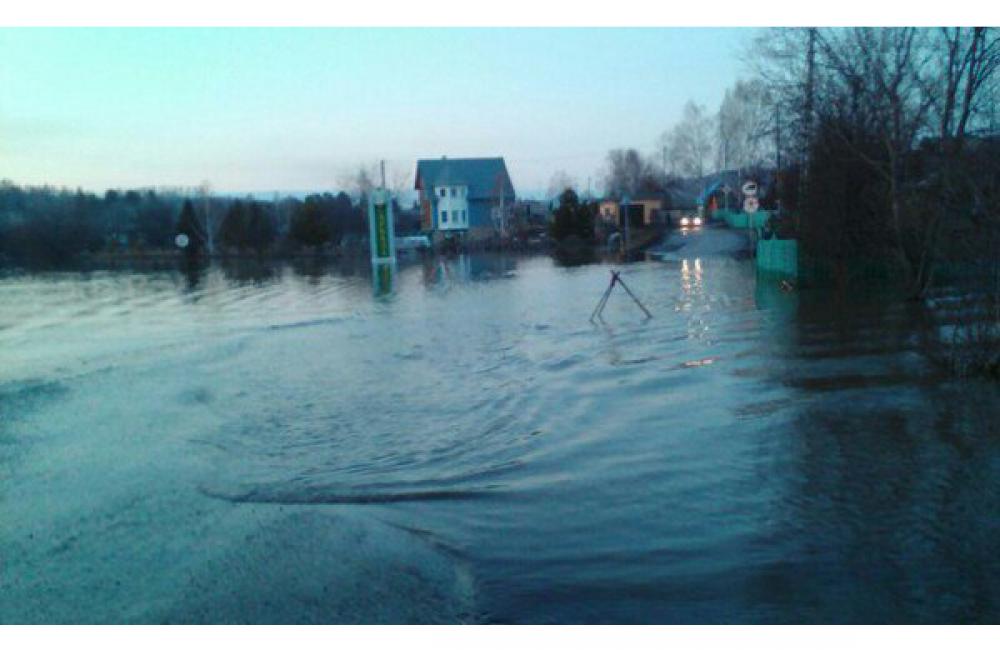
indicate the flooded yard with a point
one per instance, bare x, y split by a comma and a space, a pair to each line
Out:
457, 443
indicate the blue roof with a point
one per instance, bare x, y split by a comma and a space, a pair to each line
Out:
483, 176
734, 179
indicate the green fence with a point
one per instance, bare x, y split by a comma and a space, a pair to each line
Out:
780, 256
739, 219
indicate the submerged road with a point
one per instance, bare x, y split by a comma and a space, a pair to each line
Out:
272, 443
710, 241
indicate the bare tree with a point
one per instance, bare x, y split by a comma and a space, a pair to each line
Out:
689, 144
365, 179
624, 171
784, 60
361, 179
880, 70
902, 88
963, 65
560, 182
398, 178
746, 125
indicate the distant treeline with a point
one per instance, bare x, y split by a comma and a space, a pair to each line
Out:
59, 225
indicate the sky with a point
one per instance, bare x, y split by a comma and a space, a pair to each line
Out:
262, 110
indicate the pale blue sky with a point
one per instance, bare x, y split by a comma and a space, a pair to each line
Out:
297, 109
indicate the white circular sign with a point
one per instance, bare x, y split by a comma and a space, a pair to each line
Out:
181, 240
749, 188
751, 204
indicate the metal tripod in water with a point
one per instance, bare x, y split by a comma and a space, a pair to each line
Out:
616, 279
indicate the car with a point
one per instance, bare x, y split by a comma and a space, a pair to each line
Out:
418, 242
687, 223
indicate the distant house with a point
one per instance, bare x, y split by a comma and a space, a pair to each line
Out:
723, 189
532, 213
644, 209
464, 198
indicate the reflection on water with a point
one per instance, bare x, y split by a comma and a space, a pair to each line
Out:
570, 257
382, 279
770, 296
452, 439
248, 271
194, 271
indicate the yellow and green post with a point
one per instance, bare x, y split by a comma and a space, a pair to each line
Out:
381, 232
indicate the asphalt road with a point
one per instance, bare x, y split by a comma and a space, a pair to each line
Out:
701, 242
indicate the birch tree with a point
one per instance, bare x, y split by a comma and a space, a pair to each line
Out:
689, 143
746, 126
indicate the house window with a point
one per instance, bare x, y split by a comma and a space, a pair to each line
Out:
444, 216
463, 216
443, 192
454, 192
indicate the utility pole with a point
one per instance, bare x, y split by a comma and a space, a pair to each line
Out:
628, 226
777, 146
724, 143
810, 84
499, 189
725, 159
807, 122
382, 166
503, 213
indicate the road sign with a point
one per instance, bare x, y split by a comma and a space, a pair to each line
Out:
749, 188
751, 204
181, 240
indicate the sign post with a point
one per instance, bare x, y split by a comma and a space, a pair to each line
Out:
382, 279
750, 206
381, 232
625, 219
382, 240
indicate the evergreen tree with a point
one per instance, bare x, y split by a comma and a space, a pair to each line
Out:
343, 216
234, 231
309, 228
187, 224
155, 221
573, 219
261, 230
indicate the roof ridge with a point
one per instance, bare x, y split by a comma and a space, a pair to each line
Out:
446, 159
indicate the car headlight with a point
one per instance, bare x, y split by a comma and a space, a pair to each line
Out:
685, 221
697, 221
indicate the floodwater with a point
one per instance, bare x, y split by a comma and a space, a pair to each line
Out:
457, 443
